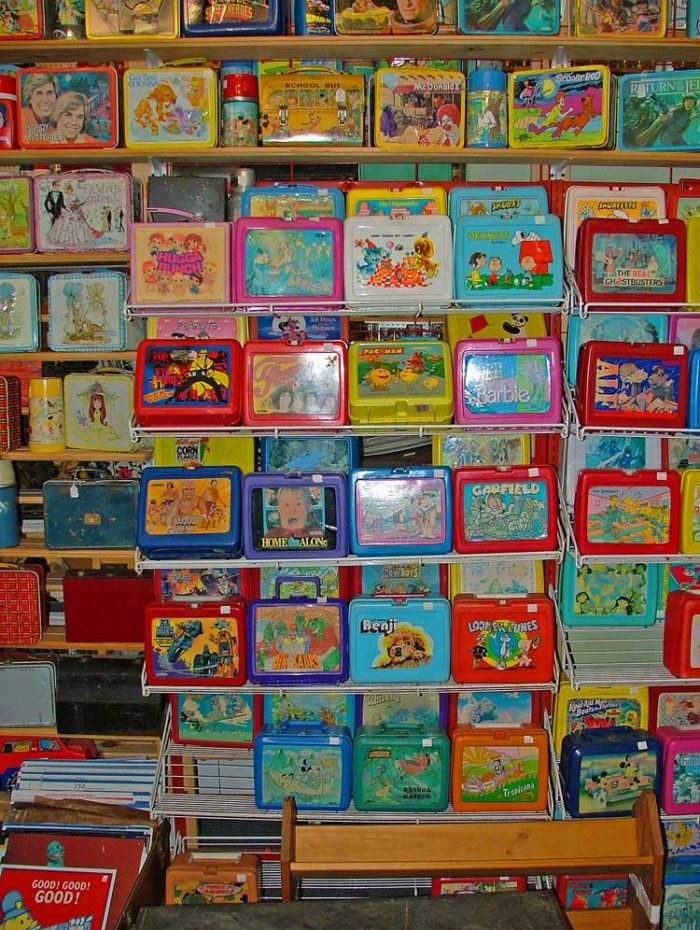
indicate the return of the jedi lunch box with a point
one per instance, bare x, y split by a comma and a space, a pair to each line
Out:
658, 111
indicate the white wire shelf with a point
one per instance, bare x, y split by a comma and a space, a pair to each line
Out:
581, 430
664, 307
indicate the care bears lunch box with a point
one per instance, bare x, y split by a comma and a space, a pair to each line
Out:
170, 107
312, 107
437, 123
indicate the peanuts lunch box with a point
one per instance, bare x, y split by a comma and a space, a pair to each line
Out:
398, 263
312, 107
402, 708
67, 108
438, 122
506, 201
105, 20
86, 311
405, 380
507, 382
399, 640
656, 111
608, 593
310, 453
559, 107
400, 202
19, 312
479, 17
495, 709
229, 18
598, 707
16, 214
169, 107
400, 511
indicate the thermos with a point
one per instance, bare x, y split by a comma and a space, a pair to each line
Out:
9, 511
46, 418
692, 19
487, 112
239, 104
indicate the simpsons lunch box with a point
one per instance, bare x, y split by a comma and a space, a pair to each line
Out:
310, 762
426, 709
229, 18
16, 214
506, 201
293, 581
631, 263
295, 385
105, 20
190, 512
400, 769
197, 585
332, 707
680, 785
404, 200
559, 107
621, 384
406, 380
310, 453
495, 709
396, 511
86, 311
627, 513
399, 640
295, 516
656, 111
206, 718
99, 406
608, 594
169, 107
681, 650
592, 892
209, 877
505, 509
479, 17
312, 107
195, 644
505, 640
94, 514
514, 260
293, 201
83, 211
499, 769
184, 383
674, 705
390, 263
400, 579
19, 312
67, 108
436, 124
287, 261
298, 641
507, 382
598, 707
175, 263
603, 772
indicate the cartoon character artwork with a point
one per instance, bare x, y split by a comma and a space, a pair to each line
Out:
599, 713
21, 19
635, 385
207, 717
130, 18
297, 639
506, 259
18, 313
79, 212
604, 590
99, 411
681, 903
505, 510
400, 512
167, 107
308, 454
629, 515
199, 584
321, 706
401, 579
205, 890
615, 327
182, 506
202, 647
295, 581
321, 109
419, 107
506, 382
612, 782
504, 646
187, 377
682, 837
312, 774
85, 311
595, 893
303, 384
522, 577
632, 207
659, 111
36, 897
289, 262
615, 17
180, 262
630, 263
402, 709
538, 17
494, 708
398, 17
499, 774
16, 234
401, 369
399, 777
686, 778
683, 452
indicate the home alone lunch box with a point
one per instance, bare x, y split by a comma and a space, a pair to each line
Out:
419, 109
86, 311
170, 107
657, 111
16, 214
92, 514
19, 312
99, 406
312, 107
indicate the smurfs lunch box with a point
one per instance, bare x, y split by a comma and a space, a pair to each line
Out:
506, 201
419, 109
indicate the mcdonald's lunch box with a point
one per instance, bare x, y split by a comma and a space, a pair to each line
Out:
184, 383
209, 877
86, 311
406, 380
232, 17
19, 313
23, 607
592, 892
597, 708
399, 640
295, 516
294, 385
312, 107
495, 709
680, 786
195, 644
505, 640
400, 769
298, 641
311, 762
10, 413
95, 514
190, 512
681, 651
122, 597
418, 109
505, 509
170, 107
99, 406
213, 718
499, 769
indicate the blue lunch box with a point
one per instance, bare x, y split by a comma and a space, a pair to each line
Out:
694, 389
331, 707
99, 514
229, 18
294, 201
310, 453
505, 201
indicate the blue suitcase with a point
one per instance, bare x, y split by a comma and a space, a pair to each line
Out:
96, 514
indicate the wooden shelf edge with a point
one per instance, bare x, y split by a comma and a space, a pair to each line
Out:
48, 356
55, 638
75, 455
619, 918
35, 549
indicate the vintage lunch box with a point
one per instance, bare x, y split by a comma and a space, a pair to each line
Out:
683, 200
86, 311
692, 226
106, 20
311, 18
507, 382
195, 644
398, 202
196, 326
293, 581
499, 769
400, 579
394, 263
232, 17
531, 18
656, 111
332, 707
311, 762
674, 705
525, 576
206, 718
182, 198
505, 509
190, 511
83, 211
627, 512
559, 107
619, 261
23, 20
605, 594
19, 312
16, 214
310, 453
122, 597
522, 261
399, 640
169, 107
385, 18
426, 709
506, 201
67, 108
294, 385
681, 655
181, 382
690, 511
312, 107
295, 261
10, 413
295, 516
680, 785
494, 709
291, 328
437, 123
470, 884
614, 327
592, 892
406, 380
507, 640
400, 511
176, 263
92, 514
205, 450
23, 604
625, 384
99, 405
210, 877
298, 641
603, 772
598, 707
34, 683
293, 201
201, 584
628, 18
403, 768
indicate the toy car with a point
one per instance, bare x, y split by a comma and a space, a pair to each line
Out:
15, 750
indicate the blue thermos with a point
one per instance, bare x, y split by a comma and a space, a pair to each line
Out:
487, 110
9, 511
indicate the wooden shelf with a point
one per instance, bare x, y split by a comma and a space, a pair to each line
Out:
619, 918
54, 638
66, 357
76, 455
52, 259
35, 549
